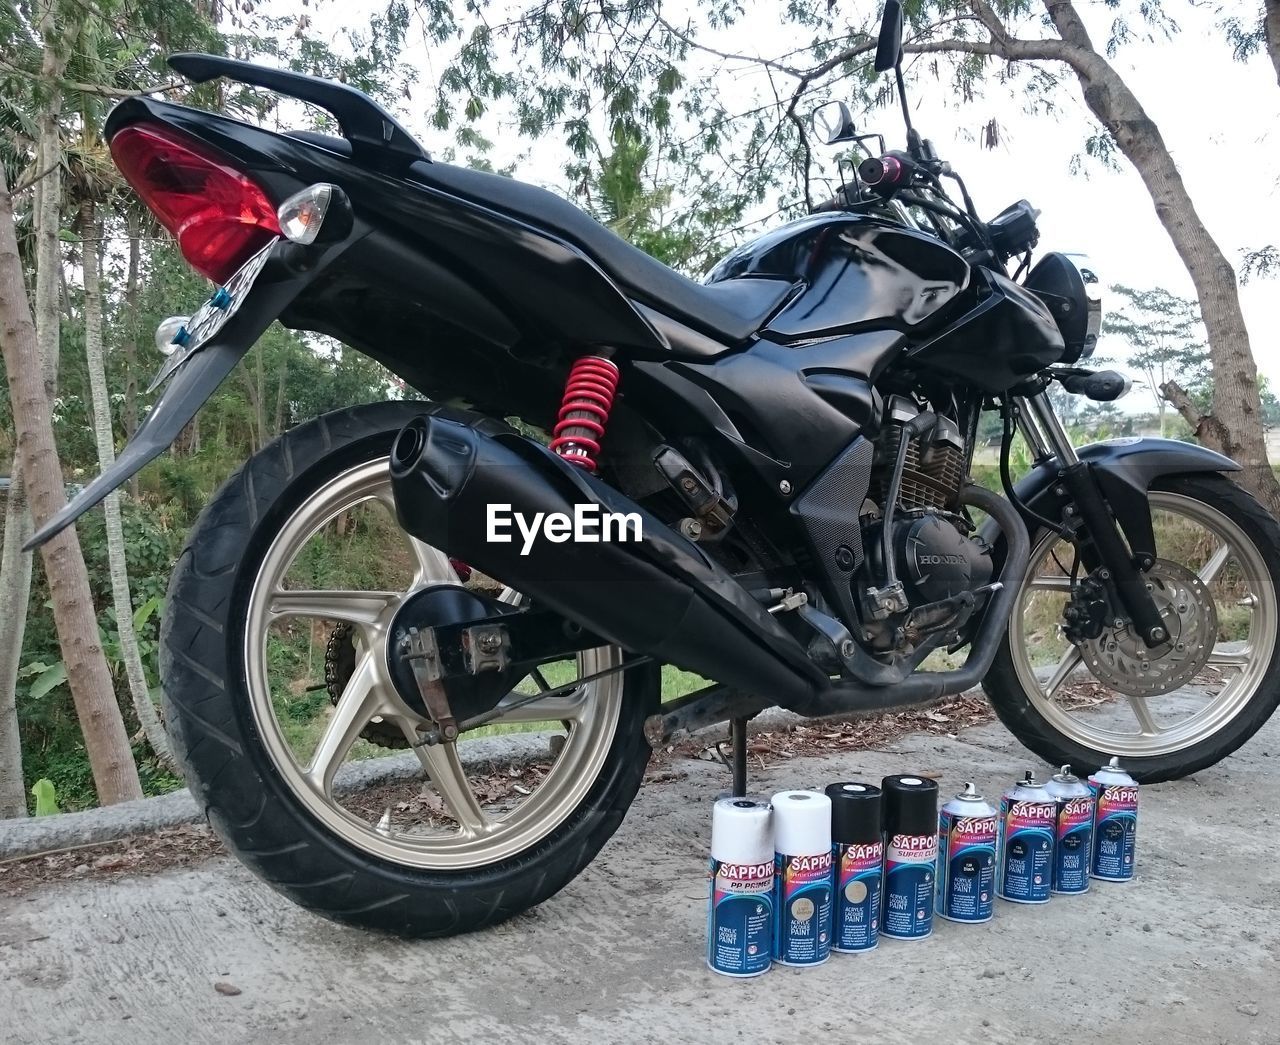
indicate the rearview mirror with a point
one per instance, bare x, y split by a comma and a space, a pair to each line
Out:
889, 46
833, 123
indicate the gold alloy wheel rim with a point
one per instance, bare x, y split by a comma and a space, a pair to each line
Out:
1242, 669
590, 713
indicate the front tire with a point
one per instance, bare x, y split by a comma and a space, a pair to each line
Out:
328, 860
1239, 687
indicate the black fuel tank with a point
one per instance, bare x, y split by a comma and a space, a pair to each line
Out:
859, 272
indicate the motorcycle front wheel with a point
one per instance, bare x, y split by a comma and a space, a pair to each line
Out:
278, 696
1166, 712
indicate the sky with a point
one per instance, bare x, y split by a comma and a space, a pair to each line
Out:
1220, 118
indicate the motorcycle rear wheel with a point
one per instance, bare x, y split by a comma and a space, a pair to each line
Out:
450, 858
1046, 693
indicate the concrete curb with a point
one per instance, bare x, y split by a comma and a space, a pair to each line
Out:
34, 835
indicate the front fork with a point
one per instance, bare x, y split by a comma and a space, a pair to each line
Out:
1086, 511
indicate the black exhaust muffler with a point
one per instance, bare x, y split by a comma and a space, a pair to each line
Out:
648, 589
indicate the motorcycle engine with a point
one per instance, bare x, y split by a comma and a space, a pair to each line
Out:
935, 560
934, 471
935, 556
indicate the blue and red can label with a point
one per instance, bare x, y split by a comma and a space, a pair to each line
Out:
740, 918
1026, 849
909, 869
1072, 845
966, 867
803, 894
859, 870
1115, 831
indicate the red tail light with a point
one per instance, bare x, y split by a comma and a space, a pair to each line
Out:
217, 214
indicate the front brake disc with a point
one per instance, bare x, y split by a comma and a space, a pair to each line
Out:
339, 666
1118, 658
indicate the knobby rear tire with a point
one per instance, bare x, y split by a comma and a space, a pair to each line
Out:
233, 778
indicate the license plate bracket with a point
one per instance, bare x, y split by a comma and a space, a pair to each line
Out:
213, 315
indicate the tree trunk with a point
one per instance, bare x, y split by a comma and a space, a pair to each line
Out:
281, 380
139, 691
1271, 32
15, 565
129, 342
1234, 425
114, 774
15, 594
48, 217
259, 399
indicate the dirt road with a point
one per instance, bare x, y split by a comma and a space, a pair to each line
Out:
1190, 952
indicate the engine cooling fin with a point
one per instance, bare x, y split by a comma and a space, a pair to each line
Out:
931, 479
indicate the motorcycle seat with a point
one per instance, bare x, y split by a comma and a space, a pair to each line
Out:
729, 311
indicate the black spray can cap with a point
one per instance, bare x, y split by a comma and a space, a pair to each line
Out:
855, 812
910, 805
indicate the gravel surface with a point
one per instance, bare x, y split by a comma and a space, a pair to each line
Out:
1186, 953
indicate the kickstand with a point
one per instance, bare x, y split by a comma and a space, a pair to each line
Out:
738, 738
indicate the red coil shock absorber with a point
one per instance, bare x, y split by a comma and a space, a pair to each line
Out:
584, 410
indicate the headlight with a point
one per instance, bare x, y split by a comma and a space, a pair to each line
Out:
1071, 290
1093, 301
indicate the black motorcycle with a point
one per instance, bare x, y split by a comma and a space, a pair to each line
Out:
783, 453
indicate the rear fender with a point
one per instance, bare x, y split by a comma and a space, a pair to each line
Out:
289, 270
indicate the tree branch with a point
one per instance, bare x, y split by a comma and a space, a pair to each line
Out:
1010, 49
97, 89
31, 182
728, 56
1271, 32
1178, 397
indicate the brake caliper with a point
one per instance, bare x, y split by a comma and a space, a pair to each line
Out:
1088, 612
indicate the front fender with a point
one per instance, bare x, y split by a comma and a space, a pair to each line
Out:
1125, 470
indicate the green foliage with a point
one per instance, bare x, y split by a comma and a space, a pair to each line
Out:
1264, 262
44, 678
627, 194
52, 746
46, 797
1164, 339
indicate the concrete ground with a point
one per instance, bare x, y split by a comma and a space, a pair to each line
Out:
1189, 952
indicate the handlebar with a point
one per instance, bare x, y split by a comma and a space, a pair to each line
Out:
837, 202
1102, 386
914, 181
886, 174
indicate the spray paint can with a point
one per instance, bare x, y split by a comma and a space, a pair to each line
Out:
1073, 831
967, 858
1028, 814
802, 878
1115, 823
858, 856
740, 907
910, 856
